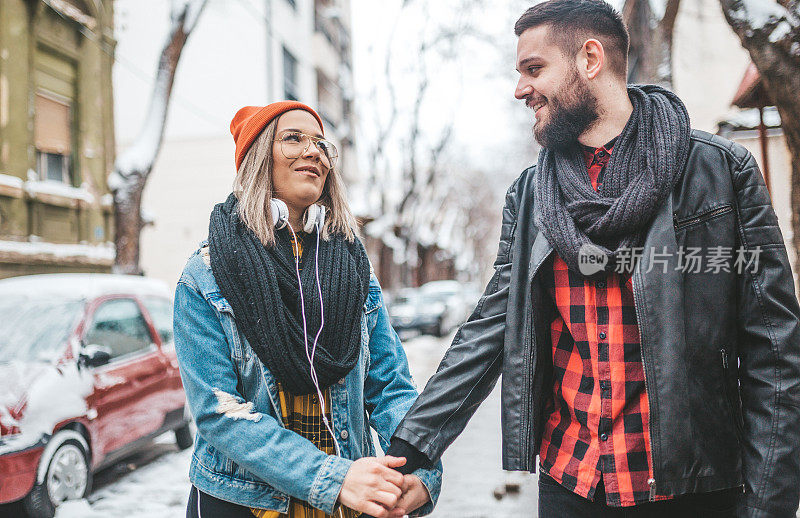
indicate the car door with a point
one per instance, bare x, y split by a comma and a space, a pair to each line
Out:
124, 387
171, 399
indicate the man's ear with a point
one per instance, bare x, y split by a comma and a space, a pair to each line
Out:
595, 57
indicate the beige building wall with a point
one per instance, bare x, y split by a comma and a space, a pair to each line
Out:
708, 62
56, 136
190, 177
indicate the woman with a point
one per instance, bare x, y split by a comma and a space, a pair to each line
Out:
284, 284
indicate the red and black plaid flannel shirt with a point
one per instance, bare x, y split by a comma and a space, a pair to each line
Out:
598, 419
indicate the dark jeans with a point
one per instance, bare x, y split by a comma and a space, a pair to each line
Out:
202, 505
555, 501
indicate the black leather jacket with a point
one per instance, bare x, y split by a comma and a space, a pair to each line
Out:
721, 351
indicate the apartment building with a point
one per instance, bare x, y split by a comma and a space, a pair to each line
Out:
56, 136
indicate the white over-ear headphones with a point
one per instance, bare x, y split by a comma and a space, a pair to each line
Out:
314, 216
280, 213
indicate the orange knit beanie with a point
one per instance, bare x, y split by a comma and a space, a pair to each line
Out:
251, 120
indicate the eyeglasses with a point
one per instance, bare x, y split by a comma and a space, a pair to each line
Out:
294, 144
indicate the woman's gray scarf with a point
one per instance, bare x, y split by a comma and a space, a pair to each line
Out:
648, 158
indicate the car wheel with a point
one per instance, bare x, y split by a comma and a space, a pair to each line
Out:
183, 437
68, 477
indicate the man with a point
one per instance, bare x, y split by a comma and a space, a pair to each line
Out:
642, 310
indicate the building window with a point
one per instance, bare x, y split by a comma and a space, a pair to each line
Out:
322, 22
52, 128
329, 98
289, 75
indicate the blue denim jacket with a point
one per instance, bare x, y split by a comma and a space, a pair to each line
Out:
243, 453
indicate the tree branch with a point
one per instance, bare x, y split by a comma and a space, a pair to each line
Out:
134, 165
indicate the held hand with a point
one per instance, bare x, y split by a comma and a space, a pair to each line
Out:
372, 486
414, 496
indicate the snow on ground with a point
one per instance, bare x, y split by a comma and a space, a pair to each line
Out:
157, 489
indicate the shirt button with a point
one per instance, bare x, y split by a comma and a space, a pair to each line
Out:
602, 335
601, 153
341, 381
605, 384
604, 437
601, 284
344, 435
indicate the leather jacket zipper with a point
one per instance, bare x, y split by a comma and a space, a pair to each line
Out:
679, 224
526, 442
637, 305
724, 353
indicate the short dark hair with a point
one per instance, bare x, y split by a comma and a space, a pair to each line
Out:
572, 22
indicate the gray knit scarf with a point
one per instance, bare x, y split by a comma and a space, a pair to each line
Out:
649, 156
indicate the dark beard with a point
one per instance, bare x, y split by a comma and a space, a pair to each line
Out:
572, 111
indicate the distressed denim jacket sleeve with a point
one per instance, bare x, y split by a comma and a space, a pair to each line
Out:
251, 439
389, 392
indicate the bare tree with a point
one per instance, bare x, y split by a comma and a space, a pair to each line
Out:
133, 167
441, 43
770, 32
376, 153
651, 24
410, 157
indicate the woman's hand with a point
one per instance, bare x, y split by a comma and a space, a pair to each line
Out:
414, 496
372, 486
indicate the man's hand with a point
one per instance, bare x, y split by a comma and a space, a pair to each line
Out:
414, 496
371, 486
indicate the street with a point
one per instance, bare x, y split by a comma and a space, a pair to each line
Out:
154, 483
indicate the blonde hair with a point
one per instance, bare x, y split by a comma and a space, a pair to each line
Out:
254, 188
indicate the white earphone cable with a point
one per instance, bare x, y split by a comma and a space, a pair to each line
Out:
310, 356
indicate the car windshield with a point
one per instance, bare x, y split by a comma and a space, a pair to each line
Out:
405, 298
33, 329
437, 296
432, 301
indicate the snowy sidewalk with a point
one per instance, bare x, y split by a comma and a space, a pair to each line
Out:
158, 489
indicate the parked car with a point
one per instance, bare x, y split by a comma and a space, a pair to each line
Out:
410, 311
452, 295
434, 308
88, 374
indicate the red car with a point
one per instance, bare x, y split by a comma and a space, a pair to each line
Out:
87, 374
